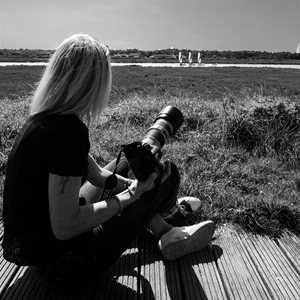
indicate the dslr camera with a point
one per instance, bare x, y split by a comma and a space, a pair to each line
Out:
141, 156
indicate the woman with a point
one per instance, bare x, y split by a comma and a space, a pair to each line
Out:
53, 210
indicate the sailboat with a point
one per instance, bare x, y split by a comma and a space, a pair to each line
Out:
199, 58
190, 60
298, 48
180, 58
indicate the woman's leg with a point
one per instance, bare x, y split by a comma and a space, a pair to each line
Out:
91, 193
111, 239
158, 226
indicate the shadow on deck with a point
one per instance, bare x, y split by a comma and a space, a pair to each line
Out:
236, 266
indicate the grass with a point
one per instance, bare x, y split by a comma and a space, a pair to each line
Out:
238, 149
210, 84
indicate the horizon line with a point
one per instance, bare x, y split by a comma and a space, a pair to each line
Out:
161, 49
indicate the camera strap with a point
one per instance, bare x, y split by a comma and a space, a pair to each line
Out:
111, 181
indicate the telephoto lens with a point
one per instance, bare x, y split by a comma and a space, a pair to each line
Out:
143, 157
165, 125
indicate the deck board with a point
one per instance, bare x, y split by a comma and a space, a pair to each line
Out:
236, 266
279, 275
118, 284
121, 280
7, 271
159, 279
1, 229
21, 286
27, 285
290, 245
200, 276
239, 275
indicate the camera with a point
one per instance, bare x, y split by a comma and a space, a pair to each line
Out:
141, 155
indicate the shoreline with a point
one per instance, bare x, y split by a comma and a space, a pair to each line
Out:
171, 65
168, 61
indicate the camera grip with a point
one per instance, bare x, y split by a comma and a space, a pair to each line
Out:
141, 160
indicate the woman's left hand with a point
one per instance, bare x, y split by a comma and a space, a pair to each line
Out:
123, 184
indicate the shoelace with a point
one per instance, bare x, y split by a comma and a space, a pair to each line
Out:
185, 207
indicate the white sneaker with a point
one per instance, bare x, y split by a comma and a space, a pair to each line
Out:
183, 206
193, 203
180, 241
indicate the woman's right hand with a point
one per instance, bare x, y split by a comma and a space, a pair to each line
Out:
137, 188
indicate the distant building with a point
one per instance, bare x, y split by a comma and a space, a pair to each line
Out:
298, 48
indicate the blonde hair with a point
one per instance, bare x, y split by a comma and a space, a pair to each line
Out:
76, 80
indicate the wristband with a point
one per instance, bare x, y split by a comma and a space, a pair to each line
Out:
126, 185
132, 195
119, 205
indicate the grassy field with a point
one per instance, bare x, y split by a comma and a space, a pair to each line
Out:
239, 147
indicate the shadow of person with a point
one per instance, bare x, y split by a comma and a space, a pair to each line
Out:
183, 277
119, 282
193, 277
123, 281
125, 272
30, 286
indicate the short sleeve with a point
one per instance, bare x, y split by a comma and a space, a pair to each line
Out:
68, 153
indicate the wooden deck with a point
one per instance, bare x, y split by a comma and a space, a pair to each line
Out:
236, 266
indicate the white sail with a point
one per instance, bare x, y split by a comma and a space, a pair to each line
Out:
180, 57
199, 58
298, 48
190, 58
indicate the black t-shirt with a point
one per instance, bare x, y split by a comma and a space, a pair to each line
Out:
57, 144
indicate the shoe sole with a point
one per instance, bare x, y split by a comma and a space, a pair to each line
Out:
193, 243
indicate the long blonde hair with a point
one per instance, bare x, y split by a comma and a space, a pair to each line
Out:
76, 80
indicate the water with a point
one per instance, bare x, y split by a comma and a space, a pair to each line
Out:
171, 65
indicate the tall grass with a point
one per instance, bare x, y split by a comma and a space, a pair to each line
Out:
234, 181
239, 156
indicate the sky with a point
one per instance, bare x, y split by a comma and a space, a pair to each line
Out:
270, 25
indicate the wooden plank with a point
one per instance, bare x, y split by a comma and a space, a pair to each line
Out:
23, 286
1, 229
280, 277
159, 279
290, 245
7, 271
27, 284
121, 281
200, 276
15, 283
238, 272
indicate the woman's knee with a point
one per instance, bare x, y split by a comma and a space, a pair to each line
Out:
174, 176
122, 167
166, 194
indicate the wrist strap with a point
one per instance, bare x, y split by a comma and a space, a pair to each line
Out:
119, 204
130, 193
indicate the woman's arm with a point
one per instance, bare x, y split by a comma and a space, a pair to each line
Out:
97, 176
68, 219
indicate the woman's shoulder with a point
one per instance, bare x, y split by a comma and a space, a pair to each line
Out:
44, 128
64, 120
59, 124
